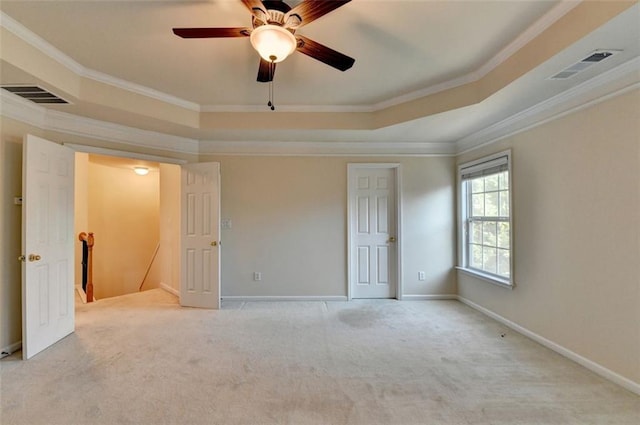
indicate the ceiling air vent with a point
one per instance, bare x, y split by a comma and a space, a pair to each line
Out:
592, 59
34, 93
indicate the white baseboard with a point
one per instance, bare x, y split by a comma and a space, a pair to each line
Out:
429, 297
331, 298
286, 298
169, 289
10, 349
81, 294
589, 364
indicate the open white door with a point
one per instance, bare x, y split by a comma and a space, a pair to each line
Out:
200, 236
47, 244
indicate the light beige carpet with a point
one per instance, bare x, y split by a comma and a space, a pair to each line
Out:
141, 359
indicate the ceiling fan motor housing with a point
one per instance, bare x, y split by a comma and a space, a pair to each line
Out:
276, 15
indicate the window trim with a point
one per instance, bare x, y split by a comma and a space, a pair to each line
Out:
463, 245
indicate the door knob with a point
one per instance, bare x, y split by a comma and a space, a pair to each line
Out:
22, 258
34, 257
392, 239
214, 243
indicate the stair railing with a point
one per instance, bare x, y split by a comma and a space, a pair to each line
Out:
89, 240
155, 253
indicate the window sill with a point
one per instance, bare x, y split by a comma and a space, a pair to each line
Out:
486, 277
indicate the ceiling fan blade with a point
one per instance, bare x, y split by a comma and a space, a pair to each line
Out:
324, 54
211, 32
254, 4
310, 10
258, 10
265, 72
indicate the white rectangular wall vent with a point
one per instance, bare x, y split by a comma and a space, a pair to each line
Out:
592, 59
34, 93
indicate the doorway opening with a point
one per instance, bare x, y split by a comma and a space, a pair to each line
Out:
134, 219
48, 271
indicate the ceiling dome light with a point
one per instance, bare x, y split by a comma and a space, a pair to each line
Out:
141, 171
273, 43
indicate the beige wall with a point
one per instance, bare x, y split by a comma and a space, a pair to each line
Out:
428, 212
169, 255
289, 215
10, 243
123, 211
576, 198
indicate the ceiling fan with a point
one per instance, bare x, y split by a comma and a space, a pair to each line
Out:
272, 34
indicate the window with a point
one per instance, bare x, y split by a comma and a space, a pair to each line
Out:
485, 218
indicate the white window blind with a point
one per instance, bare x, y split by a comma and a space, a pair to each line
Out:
487, 168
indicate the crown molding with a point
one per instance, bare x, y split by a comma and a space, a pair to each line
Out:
554, 107
525, 37
140, 89
25, 111
301, 148
81, 71
558, 106
88, 127
533, 31
537, 28
19, 109
288, 108
39, 43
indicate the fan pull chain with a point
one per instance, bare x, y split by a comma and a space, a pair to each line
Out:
272, 66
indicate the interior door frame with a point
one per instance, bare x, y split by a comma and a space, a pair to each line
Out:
128, 155
100, 151
397, 169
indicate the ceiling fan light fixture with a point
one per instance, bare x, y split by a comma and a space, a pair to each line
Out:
273, 43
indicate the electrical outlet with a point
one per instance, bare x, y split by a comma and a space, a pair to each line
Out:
421, 276
257, 276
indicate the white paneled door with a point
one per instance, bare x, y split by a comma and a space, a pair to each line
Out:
47, 244
200, 236
373, 230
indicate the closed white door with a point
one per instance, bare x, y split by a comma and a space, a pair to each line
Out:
373, 226
47, 244
200, 236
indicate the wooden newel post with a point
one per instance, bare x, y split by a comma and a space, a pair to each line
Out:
90, 241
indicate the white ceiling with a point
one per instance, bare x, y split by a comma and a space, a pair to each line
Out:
404, 50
